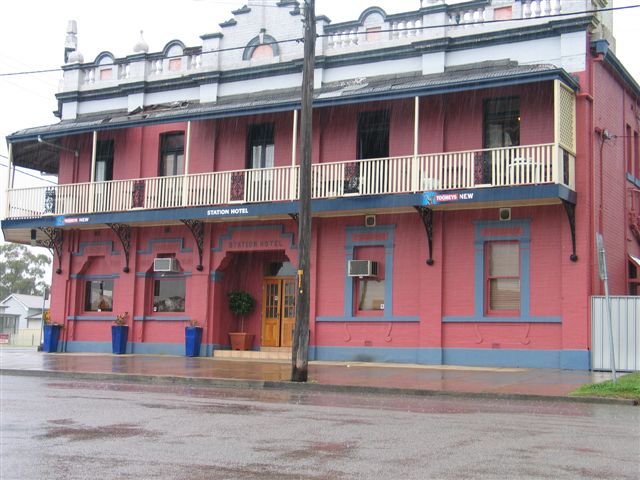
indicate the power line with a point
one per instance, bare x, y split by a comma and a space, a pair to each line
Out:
27, 174
424, 27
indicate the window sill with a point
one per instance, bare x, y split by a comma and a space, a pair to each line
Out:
367, 319
501, 319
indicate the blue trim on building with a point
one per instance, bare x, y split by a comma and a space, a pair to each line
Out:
109, 276
524, 239
161, 318
88, 347
344, 204
369, 319
84, 245
163, 275
228, 235
155, 241
633, 179
477, 357
350, 246
92, 318
138, 348
521, 319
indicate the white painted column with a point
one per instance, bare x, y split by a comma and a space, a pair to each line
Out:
94, 153
187, 156
294, 157
10, 175
415, 170
555, 157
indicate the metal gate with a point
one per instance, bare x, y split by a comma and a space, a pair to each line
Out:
625, 318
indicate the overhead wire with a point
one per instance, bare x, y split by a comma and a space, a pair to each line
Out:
413, 28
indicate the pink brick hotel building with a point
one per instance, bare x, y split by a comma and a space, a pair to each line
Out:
464, 157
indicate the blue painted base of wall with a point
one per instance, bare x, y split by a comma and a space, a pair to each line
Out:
565, 359
178, 349
478, 357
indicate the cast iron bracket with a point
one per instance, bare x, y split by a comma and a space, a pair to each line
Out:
123, 232
196, 227
53, 243
426, 214
295, 217
570, 208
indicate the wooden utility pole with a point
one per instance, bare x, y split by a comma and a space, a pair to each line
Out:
300, 348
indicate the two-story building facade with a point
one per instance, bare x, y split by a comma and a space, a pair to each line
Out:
463, 158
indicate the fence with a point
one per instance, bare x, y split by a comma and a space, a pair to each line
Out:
625, 318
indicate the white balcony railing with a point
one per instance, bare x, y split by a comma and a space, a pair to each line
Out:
499, 167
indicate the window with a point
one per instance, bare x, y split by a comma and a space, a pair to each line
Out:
369, 291
629, 155
172, 154
370, 294
502, 122
502, 274
636, 143
260, 146
98, 296
634, 278
104, 161
373, 134
169, 295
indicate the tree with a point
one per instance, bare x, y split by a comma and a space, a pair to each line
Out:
22, 271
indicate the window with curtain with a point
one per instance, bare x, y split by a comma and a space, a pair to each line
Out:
98, 296
502, 274
260, 146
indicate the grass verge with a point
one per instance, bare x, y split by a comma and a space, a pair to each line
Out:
628, 386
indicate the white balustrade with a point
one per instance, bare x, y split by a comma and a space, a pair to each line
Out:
540, 8
497, 167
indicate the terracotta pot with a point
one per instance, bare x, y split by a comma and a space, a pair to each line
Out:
241, 341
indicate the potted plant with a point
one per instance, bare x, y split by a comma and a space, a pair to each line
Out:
241, 304
51, 333
119, 334
192, 338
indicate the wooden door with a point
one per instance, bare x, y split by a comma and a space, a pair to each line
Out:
278, 311
288, 311
271, 312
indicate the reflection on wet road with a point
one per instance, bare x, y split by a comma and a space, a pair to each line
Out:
86, 429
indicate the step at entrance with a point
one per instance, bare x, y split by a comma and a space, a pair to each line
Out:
265, 353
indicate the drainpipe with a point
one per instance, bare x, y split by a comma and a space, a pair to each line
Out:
10, 175
187, 156
416, 125
294, 155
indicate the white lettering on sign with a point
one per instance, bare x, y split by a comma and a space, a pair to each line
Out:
453, 197
227, 211
70, 221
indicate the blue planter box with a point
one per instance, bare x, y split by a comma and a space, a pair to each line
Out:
192, 341
51, 337
119, 334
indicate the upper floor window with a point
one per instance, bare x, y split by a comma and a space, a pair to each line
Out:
502, 122
373, 134
98, 296
260, 146
104, 161
172, 154
502, 276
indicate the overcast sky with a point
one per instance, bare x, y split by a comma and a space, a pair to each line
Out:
33, 33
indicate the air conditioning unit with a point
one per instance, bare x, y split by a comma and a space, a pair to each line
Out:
166, 265
362, 268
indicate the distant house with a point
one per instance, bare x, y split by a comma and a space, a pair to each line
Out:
21, 317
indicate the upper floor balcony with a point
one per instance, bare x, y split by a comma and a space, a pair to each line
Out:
439, 172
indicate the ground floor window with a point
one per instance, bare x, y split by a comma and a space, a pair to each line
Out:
502, 273
169, 295
98, 296
370, 294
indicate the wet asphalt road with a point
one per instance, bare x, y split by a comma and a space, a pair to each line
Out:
60, 429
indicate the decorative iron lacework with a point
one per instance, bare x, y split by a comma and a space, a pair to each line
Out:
123, 232
237, 186
50, 200
426, 215
137, 200
53, 243
352, 177
196, 227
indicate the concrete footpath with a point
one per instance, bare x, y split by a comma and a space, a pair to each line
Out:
482, 382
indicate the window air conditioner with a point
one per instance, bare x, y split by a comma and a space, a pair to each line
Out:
362, 268
167, 265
